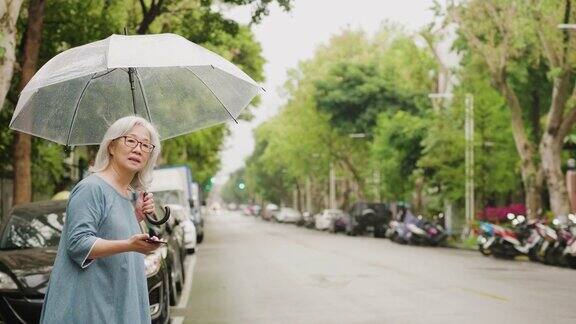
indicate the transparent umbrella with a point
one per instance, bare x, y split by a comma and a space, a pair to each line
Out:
177, 85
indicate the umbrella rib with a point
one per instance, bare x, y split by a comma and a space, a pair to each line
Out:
215, 96
76, 108
104, 74
143, 95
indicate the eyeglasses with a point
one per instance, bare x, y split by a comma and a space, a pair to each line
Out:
131, 142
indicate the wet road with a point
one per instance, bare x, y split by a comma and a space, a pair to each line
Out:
252, 271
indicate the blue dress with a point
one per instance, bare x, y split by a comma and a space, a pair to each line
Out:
111, 289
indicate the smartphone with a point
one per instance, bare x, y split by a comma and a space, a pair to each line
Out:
149, 240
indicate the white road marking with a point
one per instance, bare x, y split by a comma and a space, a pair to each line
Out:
187, 284
177, 320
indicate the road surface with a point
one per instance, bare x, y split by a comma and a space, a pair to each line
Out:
252, 271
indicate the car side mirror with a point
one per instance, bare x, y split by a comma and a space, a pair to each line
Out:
191, 203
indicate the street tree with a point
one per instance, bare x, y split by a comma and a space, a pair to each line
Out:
9, 12
509, 37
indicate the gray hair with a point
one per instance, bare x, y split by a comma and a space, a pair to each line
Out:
121, 127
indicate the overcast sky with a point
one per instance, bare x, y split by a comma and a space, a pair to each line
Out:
288, 38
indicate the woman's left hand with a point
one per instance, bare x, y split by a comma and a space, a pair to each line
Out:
144, 205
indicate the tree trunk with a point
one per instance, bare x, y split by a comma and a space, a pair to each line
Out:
9, 11
550, 149
531, 175
23, 142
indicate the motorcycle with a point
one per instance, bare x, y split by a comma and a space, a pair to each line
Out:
486, 238
507, 243
561, 253
544, 247
410, 229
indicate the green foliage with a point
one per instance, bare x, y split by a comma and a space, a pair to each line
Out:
395, 151
70, 23
388, 80
496, 160
199, 150
47, 168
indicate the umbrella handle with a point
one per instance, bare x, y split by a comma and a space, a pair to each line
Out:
158, 222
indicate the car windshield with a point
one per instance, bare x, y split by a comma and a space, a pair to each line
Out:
33, 228
170, 197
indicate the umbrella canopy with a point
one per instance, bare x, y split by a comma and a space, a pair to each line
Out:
177, 85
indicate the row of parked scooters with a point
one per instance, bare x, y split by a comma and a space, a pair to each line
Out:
362, 218
553, 244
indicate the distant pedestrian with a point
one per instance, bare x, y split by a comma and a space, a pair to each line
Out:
98, 276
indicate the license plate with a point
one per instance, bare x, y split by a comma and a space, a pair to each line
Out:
369, 228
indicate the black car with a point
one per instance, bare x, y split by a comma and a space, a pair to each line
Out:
28, 245
198, 221
173, 233
369, 217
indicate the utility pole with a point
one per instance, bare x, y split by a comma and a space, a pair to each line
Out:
308, 195
332, 186
469, 135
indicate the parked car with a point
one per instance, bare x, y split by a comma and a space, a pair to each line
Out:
288, 215
324, 221
247, 210
179, 214
369, 217
173, 184
255, 210
173, 233
341, 223
269, 211
307, 220
29, 239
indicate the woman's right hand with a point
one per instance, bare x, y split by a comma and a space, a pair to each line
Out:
137, 243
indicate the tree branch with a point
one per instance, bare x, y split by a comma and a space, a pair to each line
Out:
154, 11
558, 103
144, 9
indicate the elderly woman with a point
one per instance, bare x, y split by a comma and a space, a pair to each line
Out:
99, 274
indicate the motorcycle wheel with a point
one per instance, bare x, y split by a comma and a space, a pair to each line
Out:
485, 252
552, 256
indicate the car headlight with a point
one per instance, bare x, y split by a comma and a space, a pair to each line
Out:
152, 263
6, 283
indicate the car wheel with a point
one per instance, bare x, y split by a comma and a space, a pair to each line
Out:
167, 296
173, 290
200, 238
182, 275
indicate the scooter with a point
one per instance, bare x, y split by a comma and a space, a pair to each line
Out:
486, 238
562, 252
425, 232
402, 230
507, 243
548, 238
